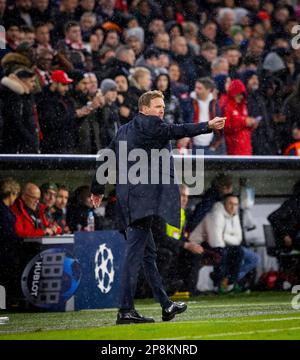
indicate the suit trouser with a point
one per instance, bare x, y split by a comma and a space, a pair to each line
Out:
140, 251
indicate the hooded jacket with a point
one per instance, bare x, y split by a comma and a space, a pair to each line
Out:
218, 228
237, 133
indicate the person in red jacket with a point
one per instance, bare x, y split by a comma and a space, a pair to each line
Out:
238, 125
30, 217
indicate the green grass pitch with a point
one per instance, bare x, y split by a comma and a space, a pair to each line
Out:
265, 315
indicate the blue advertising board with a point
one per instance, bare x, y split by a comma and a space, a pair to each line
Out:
100, 255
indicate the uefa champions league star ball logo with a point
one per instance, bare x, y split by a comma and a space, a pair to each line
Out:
104, 268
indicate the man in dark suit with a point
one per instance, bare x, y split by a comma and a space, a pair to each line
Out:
138, 203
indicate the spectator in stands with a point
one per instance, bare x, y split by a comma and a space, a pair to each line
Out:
220, 66
263, 136
88, 131
41, 11
48, 199
58, 115
161, 41
124, 102
28, 34
140, 81
205, 108
21, 133
149, 60
72, 45
285, 222
220, 186
135, 40
180, 53
172, 110
42, 36
21, 12
294, 148
11, 243
110, 121
291, 110
239, 125
60, 213
78, 209
30, 218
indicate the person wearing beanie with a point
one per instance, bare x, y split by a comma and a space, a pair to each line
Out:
135, 40
108, 85
110, 120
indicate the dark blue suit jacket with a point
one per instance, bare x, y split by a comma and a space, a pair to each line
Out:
136, 201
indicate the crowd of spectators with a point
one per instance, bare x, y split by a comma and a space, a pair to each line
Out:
72, 71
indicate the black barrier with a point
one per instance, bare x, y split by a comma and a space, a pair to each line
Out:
88, 162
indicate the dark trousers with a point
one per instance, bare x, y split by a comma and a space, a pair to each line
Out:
229, 266
140, 251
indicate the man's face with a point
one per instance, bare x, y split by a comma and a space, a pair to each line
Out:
201, 91
41, 4
49, 198
24, 5
184, 197
31, 198
29, 37
210, 31
62, 199
122, 84
145, 82
232, 205
253, 83
111, 96
156, 26
13, 33
224, 190
42, 35
112, 39
162, 41
233, 57
210, 55
162, 83
135, 45
62, 89
93, 86
74, 34
179, 46
83, 86
30, 83
156, 108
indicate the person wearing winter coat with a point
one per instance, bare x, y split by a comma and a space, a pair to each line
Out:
21, 132
239, 125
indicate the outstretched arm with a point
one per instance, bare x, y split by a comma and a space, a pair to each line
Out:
163, 131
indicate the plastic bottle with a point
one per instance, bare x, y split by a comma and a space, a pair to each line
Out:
90, 221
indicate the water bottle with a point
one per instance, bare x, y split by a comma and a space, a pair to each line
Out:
91, 221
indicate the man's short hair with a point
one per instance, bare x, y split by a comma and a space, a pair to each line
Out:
208, 46
207, 82
146, 98
70, 24
227, 196
222, 180
24, 73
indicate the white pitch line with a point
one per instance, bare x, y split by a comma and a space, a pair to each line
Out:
233, 334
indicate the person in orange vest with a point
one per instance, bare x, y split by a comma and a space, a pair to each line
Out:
294, 148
